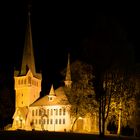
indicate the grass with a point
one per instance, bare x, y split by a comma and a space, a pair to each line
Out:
43, 135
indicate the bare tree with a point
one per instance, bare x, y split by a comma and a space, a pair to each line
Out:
118, 97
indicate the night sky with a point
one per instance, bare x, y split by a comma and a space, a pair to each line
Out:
58, 29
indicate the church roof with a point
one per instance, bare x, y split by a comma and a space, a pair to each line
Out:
60, 99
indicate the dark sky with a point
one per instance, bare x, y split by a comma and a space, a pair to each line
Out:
58, 29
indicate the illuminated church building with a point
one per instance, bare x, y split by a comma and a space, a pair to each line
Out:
51, 112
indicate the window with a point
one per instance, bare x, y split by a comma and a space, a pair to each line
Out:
39, 112
50, 98
32, 112
22, 102
44, 111
29, 80
48, 112
36, 112
59, 121
63, 121
64, 111
51, 122
51, 112
19, 82
36, 121
56, 121
39, 121
56, 111
43, 121
60, 111
24, 81
47, 121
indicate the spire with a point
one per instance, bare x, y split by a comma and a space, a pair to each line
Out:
28, 54
68, 74
52, 92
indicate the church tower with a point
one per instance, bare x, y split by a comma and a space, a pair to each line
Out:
68, 81
27, 81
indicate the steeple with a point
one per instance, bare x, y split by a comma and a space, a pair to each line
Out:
68, 81
52, 92
28, 61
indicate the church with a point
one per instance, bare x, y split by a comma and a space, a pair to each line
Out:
51, 112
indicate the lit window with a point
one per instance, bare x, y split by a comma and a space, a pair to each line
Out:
59, 121
60, 111
64, 111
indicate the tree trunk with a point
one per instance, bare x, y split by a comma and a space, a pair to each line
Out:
74, 124
100, 117
119, 122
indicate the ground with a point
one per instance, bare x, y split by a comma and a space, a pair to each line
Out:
37, 135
